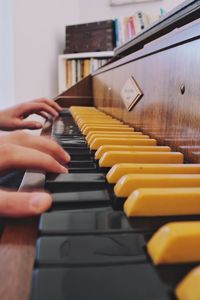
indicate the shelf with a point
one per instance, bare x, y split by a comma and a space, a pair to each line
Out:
62, 85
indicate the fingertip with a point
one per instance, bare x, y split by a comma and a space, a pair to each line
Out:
63, 170
40, 202
60, 108
67, 157
38, 125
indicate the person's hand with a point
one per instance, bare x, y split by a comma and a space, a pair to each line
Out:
19, 157
39, 143
23, 204
22, 150
14, 118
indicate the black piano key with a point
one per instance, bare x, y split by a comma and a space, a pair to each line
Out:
81, 157
83, 170
90, 250
139, 282
73, 143
77, 151
81, 164
81, 197
101, 220
65, 112
88, 221
76, 139
74, 182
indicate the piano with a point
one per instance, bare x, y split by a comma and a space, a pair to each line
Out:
90, 245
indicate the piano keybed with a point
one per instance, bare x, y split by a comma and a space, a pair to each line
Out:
88, 247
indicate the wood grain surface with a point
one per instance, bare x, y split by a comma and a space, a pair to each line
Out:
169, 110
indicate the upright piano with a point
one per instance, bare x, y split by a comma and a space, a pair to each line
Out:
86, 246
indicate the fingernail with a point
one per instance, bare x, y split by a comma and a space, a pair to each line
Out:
39, 201
38, 125
63, 170
67, 157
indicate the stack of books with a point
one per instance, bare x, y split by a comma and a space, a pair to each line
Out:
128, 27
77, 69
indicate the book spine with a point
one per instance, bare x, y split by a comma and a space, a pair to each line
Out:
73, 72
116, 32
69, 73
132, 27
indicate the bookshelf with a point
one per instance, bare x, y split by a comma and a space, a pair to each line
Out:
63, 59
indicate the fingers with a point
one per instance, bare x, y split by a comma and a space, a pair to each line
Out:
23, 204
43, 114
50, 102
23, 124
26, 109
18, 157
37, 142
47, 146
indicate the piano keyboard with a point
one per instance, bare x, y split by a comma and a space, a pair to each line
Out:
125, 221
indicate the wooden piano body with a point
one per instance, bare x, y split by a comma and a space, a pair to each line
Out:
165, 62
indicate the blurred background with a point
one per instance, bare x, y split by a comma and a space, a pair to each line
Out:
32, 36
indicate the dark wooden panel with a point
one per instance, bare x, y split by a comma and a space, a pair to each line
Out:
163, 111
79, 94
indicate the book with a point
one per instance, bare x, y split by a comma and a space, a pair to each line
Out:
77, 69
126, 28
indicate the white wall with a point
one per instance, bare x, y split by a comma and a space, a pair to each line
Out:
92, 10
39, 37
6, 54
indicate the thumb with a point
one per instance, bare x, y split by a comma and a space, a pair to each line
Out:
23, 204
21, 124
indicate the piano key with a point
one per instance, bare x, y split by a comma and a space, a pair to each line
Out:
114, 128
100, 221
130, 136
189, 287
98, 120
70, 182
77, 151
73, 143
163, 202
112, 282
90, 250
129, 183
177, 242
83, 170
90, 221
121, 141
119, 170
80, 157
106, 122
90, 137
111, 158
66, 139
81, 197
81, 164
99, 153
67, 136
115, 133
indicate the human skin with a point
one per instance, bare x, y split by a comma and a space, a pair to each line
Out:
20, 150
